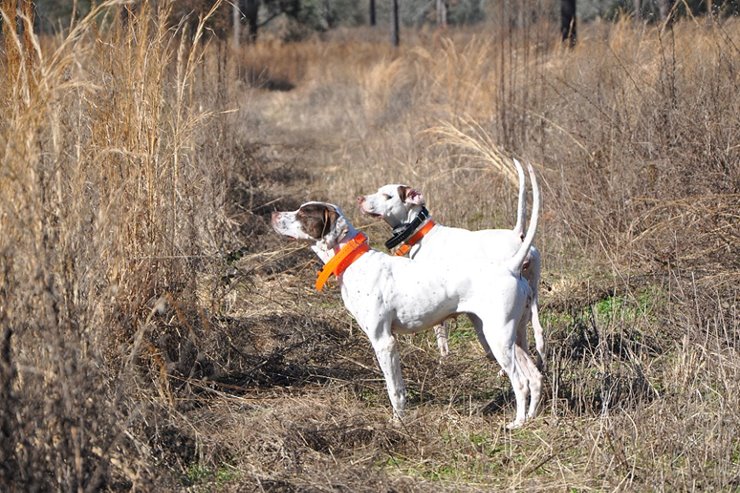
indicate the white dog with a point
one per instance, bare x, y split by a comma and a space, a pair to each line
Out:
416, 234
388, 295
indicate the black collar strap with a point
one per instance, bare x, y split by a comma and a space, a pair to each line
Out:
404, 231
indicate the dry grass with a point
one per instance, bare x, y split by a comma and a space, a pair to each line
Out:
157, 335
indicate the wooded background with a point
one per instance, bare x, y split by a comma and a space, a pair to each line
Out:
306, 17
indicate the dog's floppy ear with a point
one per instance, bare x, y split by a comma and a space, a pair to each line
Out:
410, 195
335, 227
330, 217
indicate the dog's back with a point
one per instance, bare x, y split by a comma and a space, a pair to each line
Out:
451, 244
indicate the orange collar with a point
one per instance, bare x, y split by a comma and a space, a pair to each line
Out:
350, 252
406, 246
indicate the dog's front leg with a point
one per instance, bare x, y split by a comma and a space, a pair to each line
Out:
389, 360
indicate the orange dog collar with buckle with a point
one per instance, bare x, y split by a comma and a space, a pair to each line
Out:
350, 252
406, 246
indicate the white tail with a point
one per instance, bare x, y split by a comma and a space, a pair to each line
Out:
515, 263
522, 204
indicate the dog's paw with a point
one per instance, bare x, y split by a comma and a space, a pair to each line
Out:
515, 424
398, 423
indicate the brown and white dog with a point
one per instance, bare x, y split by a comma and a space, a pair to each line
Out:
389, 295
403, 208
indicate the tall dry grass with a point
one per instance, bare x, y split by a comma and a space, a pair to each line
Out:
108, 204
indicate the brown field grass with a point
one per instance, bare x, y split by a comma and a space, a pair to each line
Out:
157, 336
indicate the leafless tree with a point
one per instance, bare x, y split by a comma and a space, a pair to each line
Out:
250, 9
395, 37
236, 23
665, 7
568, 21
442, 13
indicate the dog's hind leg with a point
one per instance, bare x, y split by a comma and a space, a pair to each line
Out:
532, 273
528, 368
500, 335
539, 338
441, 332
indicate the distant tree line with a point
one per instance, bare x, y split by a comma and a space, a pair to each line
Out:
303, 17
656, 10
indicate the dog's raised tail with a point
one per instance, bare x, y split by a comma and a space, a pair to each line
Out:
522, 203
516, 262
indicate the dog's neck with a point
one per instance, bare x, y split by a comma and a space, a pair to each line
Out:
397, 222
403, 232
411, 217
326, 252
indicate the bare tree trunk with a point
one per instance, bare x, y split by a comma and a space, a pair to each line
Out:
8, 426
665, 7
372, 13
395, 37
251, 9
441, 13
568, 21
236, 24
638, 9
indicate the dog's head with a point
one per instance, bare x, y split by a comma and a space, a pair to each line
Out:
319, 222
396, 204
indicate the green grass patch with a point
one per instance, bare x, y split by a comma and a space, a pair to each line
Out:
629, 308
205, 478
463, 333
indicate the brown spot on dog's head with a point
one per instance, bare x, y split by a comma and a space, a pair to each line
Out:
402, 190
317, 220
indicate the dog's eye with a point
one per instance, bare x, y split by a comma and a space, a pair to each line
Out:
386, 196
